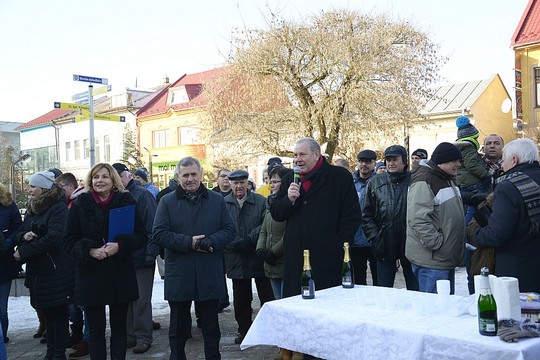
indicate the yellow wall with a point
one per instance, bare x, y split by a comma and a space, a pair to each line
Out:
163, 165
529, 59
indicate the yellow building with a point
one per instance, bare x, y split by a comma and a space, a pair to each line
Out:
486, 102
526, 45
168, 126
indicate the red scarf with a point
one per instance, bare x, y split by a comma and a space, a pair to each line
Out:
306, 184
103, 204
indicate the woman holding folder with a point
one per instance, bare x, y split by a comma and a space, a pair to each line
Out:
102, 247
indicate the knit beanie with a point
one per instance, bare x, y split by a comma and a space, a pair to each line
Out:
42, 179
142, 174
466, 131
445, 152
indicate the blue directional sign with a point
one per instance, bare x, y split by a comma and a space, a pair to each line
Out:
90, 79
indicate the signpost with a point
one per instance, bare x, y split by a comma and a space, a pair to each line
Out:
85, 115
96, 91
95, 80
70, 106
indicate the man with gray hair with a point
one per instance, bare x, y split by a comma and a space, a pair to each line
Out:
513, 228
194, 243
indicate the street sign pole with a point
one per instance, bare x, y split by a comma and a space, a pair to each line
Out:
91, 103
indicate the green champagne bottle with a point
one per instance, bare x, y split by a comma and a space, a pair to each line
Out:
347, 273
487, 308
308, 284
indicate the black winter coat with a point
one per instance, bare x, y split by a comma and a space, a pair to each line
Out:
111, 280
193, 275
384, 214
146, 204
321, 221
10, 221
517, 252
49, 270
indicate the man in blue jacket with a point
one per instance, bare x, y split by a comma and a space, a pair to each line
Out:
361, 248
194, 244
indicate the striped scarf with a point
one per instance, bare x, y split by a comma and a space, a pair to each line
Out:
530, 191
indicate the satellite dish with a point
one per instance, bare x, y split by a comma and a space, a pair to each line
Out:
506, 106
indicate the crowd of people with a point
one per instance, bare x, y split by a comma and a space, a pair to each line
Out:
425, 215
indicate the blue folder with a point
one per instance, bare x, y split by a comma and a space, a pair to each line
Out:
121, 221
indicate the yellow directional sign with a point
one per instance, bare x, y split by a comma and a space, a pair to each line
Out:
70, 106
85, 116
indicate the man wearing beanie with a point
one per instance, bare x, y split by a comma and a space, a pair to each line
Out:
435, 219
142, 176
416, 156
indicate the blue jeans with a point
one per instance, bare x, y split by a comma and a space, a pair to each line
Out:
5, 287
277, 287
386, 273
427, 278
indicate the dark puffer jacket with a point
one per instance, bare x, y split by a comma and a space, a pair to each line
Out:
111, 280
384, 214
10, 221
49, 270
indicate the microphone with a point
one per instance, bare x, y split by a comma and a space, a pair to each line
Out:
296, 174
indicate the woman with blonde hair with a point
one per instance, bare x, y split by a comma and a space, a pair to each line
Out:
104, 270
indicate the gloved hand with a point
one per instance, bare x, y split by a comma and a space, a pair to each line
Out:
206, 244
245, 246
477, 197
269, 257
481, 215
513, 334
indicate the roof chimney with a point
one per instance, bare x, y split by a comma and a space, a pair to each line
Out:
166, 79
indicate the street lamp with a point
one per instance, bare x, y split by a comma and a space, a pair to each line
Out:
22, 158
150, 156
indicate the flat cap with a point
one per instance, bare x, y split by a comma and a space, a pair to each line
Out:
367, 154
120, 167
238, 175
395, 150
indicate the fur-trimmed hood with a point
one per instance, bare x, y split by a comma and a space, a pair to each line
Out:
5, 196
46, 200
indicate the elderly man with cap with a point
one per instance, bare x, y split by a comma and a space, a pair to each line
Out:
139, 320
435, 219
361, 248
142, 176
383, 218
247, 210
416, 156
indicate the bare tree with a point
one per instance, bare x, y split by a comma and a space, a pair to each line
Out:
338, 77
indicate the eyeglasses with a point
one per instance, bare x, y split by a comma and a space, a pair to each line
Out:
275, 181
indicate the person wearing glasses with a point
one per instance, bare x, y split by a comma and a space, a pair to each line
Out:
224, 185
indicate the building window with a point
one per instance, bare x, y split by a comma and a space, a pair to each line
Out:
188, 135
178, 96
537, 85
68, 151
86, 143
107, 148
77, 144
96, 149
161, 138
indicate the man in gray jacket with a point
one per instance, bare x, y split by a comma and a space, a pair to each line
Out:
247, 210
193, 244
435, 219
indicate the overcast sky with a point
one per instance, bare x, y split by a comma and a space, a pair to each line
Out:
45, 42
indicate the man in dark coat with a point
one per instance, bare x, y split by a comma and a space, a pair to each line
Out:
513, 228
322, 212
247, 210
193, 244
139, 319
384, 215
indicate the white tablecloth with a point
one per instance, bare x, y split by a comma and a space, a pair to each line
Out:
379, 323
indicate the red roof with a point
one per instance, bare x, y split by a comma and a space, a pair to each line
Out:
193, 84
528, 29
44, 120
